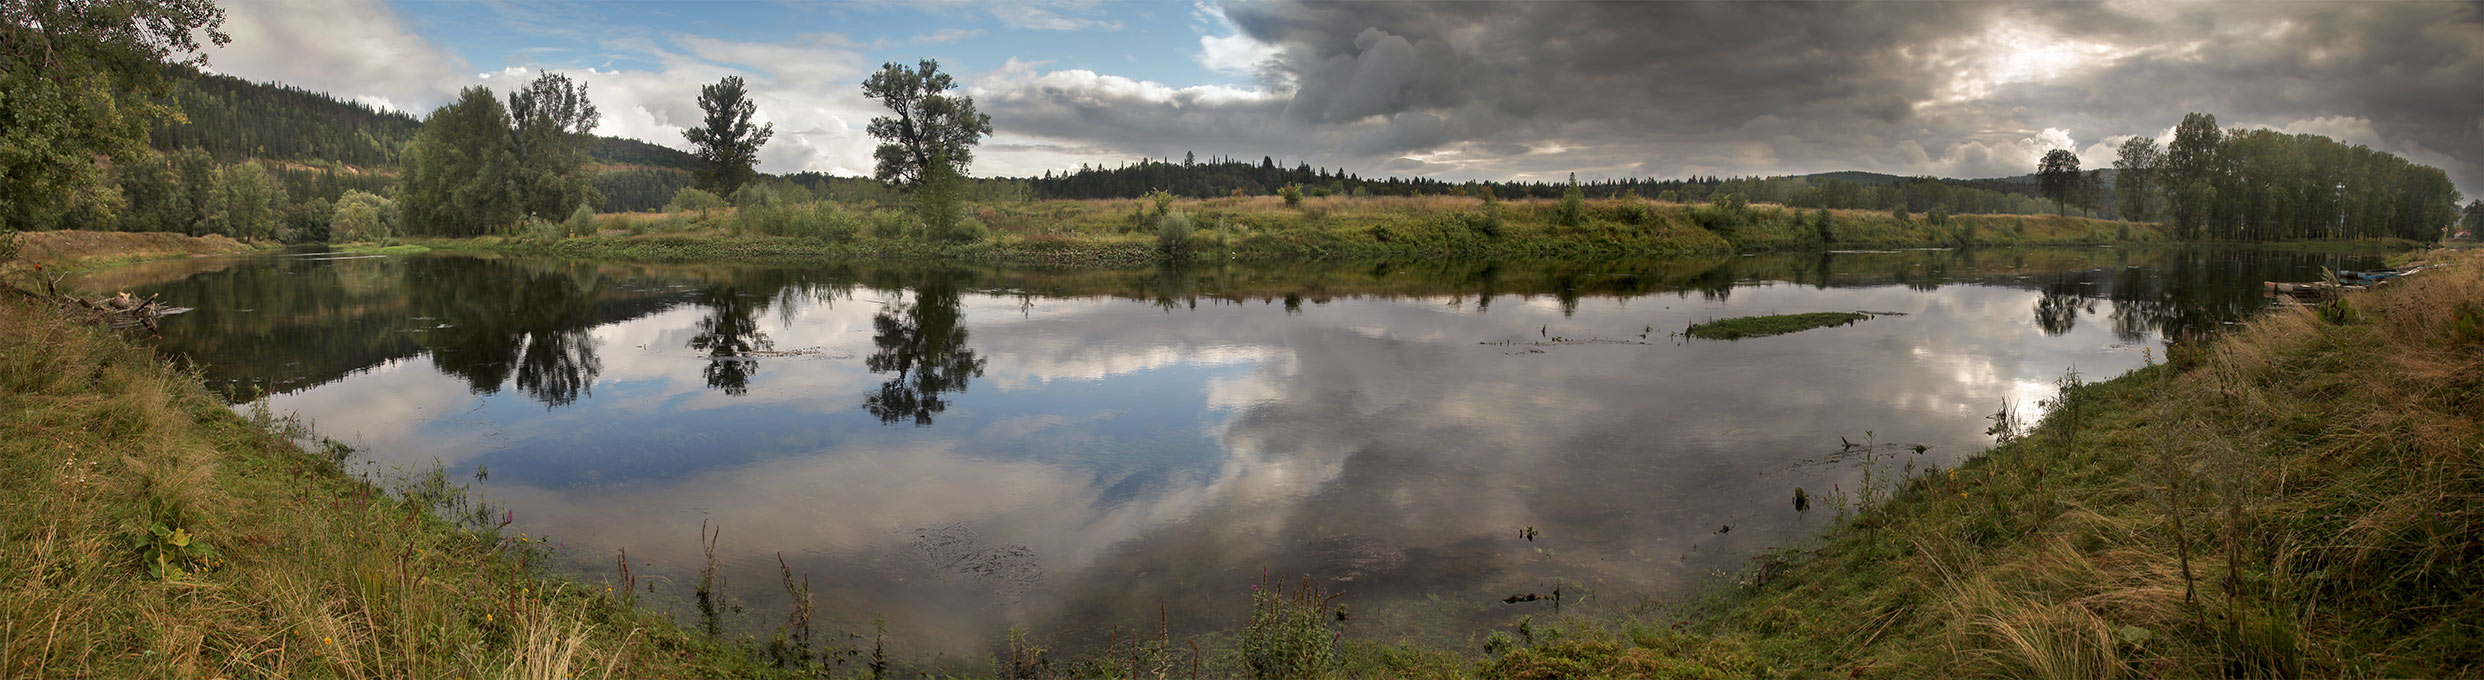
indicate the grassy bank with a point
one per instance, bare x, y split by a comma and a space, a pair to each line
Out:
1268, 229
153, 532
71, 250
2294, 500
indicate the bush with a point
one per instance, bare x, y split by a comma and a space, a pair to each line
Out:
1573, 207
1820, 226
1292, 194
582, 221
1939, 217
1173, 234
1899, 214
1163, 201
690, 199
361, 216
894, 224
1289, 635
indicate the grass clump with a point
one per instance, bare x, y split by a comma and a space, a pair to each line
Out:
1774, 324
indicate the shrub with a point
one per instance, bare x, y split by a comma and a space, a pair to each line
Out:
1173, 234
582, 221
1573, 205
361, 216
1668, 196
1163, 201
1899, 214
893, 224
1820, 226
1292, 194
1939, 216
690, 199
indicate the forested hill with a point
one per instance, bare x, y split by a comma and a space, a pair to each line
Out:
233, 119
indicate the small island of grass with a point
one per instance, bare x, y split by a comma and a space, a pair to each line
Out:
1773, 324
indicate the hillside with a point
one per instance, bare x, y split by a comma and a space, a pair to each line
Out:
235, 119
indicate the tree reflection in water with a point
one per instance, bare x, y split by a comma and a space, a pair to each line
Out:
924, 344
527, 320
728, 334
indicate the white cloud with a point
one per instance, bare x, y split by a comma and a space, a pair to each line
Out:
354, 49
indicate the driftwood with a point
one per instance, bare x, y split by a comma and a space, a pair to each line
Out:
118, 311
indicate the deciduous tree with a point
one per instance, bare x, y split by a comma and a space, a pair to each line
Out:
83, 79
929, 122
726, 140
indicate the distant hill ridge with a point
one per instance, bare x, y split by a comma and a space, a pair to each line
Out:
233, 119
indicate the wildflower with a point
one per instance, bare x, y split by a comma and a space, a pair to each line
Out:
327, 641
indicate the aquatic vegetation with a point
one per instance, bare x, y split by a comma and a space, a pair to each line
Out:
1740, 327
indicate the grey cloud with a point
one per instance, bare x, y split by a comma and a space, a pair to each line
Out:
1765, 87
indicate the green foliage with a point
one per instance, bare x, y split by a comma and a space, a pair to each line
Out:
1774, 324
1173, 235
931, 126
1899, 214
2058, 174
1573, 207
1162, 200
582, 221
82, 80
1939, 217
2136, 165
1291, 635
1820, 226
694, 199
361, 217
171, 553
725, 140
1292, 194
552, 129
244, 203
459, 171
1669, 196
937, 204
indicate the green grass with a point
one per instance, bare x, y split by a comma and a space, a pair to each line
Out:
1740, 327
153, 532
378, 249
1266, 230
2292, 500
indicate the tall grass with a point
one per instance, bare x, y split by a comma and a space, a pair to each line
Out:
288, 566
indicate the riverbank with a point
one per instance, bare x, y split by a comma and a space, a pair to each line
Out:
73, 251
154, 532
2293, 500
1100, 233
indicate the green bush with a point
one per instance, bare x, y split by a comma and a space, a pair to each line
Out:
1292, 194
894, 224
582, 221
361, 216
1939, 217
693, 199
1573, 207
1173, 234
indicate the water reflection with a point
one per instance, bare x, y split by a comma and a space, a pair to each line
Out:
923, 343
729, 335
1155, 438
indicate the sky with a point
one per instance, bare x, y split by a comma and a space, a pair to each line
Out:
1472, 89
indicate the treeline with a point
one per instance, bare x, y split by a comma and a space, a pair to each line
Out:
1225, 177
2263, 185
235, 119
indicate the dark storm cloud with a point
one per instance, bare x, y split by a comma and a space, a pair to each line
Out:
1761, 87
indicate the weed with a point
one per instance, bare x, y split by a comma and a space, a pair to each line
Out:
1290, 634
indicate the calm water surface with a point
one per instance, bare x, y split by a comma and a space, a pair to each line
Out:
964, 450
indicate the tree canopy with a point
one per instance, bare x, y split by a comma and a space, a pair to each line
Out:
726, 140
80, 80
929, 122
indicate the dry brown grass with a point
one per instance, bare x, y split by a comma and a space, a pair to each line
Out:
70, 249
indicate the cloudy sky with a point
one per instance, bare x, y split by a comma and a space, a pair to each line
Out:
1455, 90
